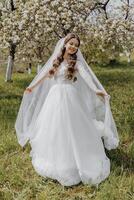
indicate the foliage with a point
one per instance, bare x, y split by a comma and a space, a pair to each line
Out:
34, 26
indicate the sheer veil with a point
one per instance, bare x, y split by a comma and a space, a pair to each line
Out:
32, 103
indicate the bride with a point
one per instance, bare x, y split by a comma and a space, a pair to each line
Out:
66, 117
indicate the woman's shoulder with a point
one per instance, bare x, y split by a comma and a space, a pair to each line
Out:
78, 63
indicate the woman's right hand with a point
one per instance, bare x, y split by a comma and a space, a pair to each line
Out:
28, 90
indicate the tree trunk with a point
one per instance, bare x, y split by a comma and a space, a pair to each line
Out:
9, 69
10, 63
29, 68
39, 66
128, 58
11, 52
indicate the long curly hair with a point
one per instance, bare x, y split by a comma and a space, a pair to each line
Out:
71, 60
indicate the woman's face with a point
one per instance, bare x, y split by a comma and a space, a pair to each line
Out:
72, 45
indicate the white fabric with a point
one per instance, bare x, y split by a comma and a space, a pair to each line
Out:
66, 124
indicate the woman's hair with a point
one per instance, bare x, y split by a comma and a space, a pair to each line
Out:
71, 60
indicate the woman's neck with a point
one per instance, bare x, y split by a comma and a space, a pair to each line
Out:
65, 56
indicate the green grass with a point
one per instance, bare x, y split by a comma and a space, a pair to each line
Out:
19, 181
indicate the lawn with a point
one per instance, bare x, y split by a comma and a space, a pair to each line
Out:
19, 181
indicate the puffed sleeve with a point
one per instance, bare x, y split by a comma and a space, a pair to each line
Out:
84, 74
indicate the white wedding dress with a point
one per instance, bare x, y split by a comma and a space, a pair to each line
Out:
67, 145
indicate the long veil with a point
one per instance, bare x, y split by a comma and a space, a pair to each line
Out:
32, 103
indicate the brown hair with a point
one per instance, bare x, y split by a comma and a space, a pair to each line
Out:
71, 60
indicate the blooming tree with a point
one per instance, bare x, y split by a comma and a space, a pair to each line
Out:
29, 29
106, 42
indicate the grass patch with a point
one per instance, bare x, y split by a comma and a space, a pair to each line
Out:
19, 181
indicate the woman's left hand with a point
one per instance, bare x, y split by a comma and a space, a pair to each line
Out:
102, 93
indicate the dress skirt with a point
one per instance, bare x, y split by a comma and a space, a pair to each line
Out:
67, 145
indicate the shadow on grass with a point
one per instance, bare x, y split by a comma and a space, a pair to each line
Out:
9, 106
121, 159
23, 81
10, 96
118, 65
116, 78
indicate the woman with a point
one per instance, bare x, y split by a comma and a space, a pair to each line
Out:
67, 119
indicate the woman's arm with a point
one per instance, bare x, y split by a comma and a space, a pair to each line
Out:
89, 80
47, 75
41, 80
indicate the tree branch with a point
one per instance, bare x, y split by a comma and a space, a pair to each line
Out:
127, 11
99, 6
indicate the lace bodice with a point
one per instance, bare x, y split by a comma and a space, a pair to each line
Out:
60, 76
